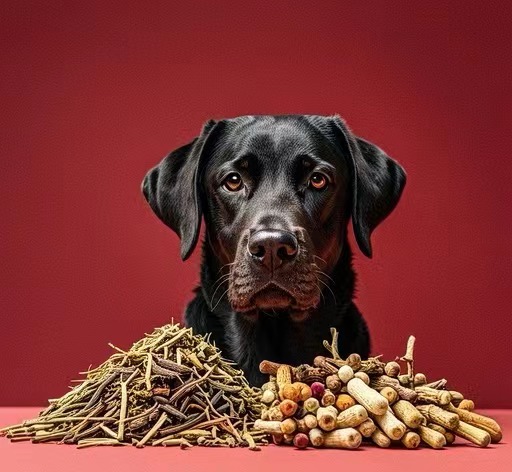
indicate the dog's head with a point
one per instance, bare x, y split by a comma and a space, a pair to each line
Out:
276, 193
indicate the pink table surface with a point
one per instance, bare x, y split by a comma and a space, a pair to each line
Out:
27, 457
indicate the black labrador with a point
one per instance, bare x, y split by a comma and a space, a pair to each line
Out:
276, 194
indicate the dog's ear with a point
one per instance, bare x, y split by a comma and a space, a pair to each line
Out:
172, 188
377, 183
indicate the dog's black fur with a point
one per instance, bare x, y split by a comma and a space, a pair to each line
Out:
276, 194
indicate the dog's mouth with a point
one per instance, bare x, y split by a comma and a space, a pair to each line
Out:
275, 301
272, 297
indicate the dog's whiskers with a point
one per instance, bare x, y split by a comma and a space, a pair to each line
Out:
219, 285
220, 280
325, 275
319, 258
220, 298
321, 293
330, 290
229, 264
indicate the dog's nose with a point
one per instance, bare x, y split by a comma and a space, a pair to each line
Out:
272, 247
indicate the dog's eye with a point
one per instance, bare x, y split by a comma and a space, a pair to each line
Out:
233, 182
318, 181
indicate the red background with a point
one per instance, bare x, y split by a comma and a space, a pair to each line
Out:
94, 93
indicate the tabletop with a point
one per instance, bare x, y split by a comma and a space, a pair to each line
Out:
462, 456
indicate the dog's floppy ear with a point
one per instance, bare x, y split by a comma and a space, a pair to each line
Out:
172, 188
377, 183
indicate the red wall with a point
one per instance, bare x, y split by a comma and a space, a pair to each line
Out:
93, 95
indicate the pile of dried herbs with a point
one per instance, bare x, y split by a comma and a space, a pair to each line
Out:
170, 388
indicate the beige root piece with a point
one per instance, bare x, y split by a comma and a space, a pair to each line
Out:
310, 421
457, 397
328, 398
379, 438
483, 422
404, 393
473, 434
431, 395
326, 418
433, 438
268, 397
333, 383
419, 379
448, 435
302, 427
392, 369
439, 416
366, 396
363, 376
411, 440
437, 428
465, 404
407, 413
346, 438
390, 394
366, 428
288, 426
283, 375
311, 405
345, 373
269, 427
275, 414
390, 424
351, 417
316, 437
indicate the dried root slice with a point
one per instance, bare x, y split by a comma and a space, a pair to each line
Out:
434, 439
448, 435
366, 428
483, 422
379, 438
269, 427
473, 434
366, 396
346, 438
326, 417
316, 437
431, 395
404, 393
465, 404
351, 417
390, 424
439, 416
411, 440
408, 413
390, 394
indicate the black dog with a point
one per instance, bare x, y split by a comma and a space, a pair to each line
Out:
276, 194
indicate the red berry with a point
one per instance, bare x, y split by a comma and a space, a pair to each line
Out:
317, 390
301, 440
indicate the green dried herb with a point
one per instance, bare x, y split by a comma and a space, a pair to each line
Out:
171, 388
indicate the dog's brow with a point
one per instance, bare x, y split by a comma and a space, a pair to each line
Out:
240, 162
321, 164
